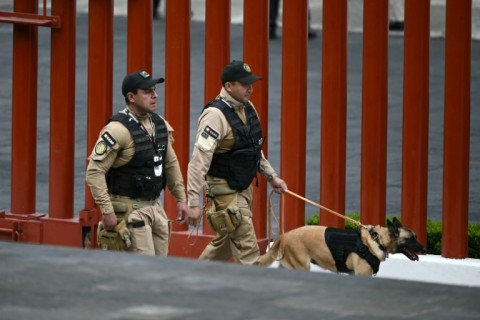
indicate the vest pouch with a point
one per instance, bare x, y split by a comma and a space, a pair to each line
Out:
235, 216
148, 187
119, 207
115, 240
243, 168
224, 221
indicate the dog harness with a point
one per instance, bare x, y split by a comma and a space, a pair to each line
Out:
343, 242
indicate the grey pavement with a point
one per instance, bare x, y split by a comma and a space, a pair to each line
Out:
45, 282
313, 113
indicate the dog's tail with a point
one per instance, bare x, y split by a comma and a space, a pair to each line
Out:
272, 255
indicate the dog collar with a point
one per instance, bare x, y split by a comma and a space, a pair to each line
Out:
375, 238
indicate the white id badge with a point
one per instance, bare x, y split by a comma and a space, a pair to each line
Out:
157, 169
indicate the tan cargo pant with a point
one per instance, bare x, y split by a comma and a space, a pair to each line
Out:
242, 243
153, 238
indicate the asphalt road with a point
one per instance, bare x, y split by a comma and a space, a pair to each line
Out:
45, 282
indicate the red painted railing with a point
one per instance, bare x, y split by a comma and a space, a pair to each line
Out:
60, 227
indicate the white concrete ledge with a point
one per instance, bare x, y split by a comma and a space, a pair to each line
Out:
429, 268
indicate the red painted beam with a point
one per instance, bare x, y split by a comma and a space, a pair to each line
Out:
62, 111
374, 112
217, 30
255, 53
100, 75
24, 113
29, 17
415, 117
139, 35
456, 128
177, 89
294, 109
334, 111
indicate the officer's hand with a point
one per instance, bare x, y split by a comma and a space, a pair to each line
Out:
278, 185
182, 209
193, 215
109, 221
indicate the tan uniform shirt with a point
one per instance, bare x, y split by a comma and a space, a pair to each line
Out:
120, 154
221, 139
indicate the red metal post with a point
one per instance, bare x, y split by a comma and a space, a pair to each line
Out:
456, 128
62, 115
139, 35
374, 112
100, 74
217, 51
217, 44
294, 109
255, 53
334, 111
415, 116
24, 102
177, 88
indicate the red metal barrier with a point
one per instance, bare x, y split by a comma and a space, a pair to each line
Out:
139, 35
255, 52
62, 114
177, 89
100, 91
374, 112
217, 30
334, 111
294, 108
415, 117
24, 129
457, 128
60, 228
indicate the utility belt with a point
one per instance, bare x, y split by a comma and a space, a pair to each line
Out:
124, 205
222, 213
119, 239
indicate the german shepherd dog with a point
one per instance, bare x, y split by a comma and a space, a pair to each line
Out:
357, 252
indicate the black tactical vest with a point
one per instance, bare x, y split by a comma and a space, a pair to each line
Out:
137, 178
240, 165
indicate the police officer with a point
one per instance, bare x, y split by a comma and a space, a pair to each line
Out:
226, 158
133, 160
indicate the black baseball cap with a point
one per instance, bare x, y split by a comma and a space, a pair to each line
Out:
138, 80
238, 71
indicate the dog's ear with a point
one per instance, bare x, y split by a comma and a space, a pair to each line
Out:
397, 223
393, 228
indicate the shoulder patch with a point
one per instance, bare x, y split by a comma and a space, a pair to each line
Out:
100, 148
209, 131
108, 139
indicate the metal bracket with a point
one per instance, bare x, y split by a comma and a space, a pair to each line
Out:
30, 19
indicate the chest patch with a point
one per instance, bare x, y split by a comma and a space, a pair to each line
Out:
108, 139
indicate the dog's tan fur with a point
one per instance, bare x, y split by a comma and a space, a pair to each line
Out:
296, 248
